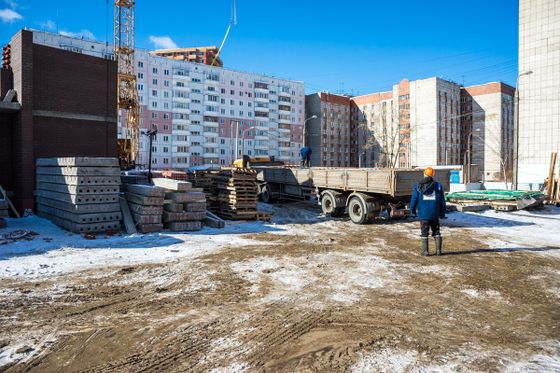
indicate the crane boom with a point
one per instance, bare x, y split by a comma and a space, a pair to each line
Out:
127, 87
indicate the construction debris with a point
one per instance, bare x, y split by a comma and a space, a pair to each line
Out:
552, 184
20, 234
502, 200
213, 221
79, 194
146, 206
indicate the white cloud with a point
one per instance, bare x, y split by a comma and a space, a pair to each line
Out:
9, 15
48, 25
84, 34
163, 42
12, 3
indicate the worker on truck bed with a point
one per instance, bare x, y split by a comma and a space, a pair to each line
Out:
305, 153
429, 200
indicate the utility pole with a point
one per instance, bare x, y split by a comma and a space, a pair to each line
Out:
516, 131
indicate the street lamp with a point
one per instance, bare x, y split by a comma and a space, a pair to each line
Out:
243, 139
304, 129
516, 130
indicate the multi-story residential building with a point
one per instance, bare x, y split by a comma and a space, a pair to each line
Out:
487, 126
329, 135
200, 110
539, 87
435, 129
204, 55
377, 130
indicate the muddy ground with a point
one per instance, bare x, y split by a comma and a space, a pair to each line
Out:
325, 295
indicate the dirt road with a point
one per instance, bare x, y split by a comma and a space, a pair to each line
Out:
325, 295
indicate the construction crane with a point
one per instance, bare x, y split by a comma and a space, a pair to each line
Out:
127, 87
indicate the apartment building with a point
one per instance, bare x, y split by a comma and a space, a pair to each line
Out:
330, 134
539, 87
377, 130
204, 55
487, 126
200, 111
435, 129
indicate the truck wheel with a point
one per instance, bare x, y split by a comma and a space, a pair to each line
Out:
357, 211
329, 205
266, 195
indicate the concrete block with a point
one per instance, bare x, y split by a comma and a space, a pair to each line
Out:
194, 206
78, 189
184, 226
471, 208
146, 219
149, 228
82, 228
79, 180
144, 200
173, 207
170, 184
213, 221
173, 216
127, 216
145, 210
79, 199
80, 218
79, 171
145, 190
181, 197
78, 162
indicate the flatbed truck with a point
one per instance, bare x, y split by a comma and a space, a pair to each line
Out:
362, 193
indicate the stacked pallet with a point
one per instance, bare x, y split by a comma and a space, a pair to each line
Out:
184, 207
237, 194
207, 181
146, 206
79, 194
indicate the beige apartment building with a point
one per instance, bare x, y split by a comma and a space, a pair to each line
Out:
487, 126
330, 135
539, 87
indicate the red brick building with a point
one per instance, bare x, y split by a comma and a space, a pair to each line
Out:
65, 106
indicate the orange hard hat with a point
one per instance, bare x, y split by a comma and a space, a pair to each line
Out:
428, 171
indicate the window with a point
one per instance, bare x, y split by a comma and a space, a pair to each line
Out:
240, 93
166, 72
140, 87
179, 84
154, 104
166, 83
154, 70
195, 80
154, 115
140, 75
240, 103
223, 91
231, 82
222, 101
140, 64
154, 93
154, 81
166, 94
232, 92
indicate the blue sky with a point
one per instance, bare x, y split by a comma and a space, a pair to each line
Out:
356, 47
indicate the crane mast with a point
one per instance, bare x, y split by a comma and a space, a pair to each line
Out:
127, 87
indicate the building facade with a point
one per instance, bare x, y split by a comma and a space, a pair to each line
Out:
539, 92
204, 55
66, 107
330, 134
487, 126
201, 111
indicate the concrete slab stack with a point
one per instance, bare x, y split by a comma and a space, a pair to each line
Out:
184, 207
146, 206
80, 194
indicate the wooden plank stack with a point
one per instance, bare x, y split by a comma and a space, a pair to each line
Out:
552, 182
146, 206
79, 194
207, 181
184, 207
237, 194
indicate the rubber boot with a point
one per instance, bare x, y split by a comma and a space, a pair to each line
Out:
425, 251
439, 243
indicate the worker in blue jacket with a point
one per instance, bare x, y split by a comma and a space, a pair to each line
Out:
429, 200
305, 154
